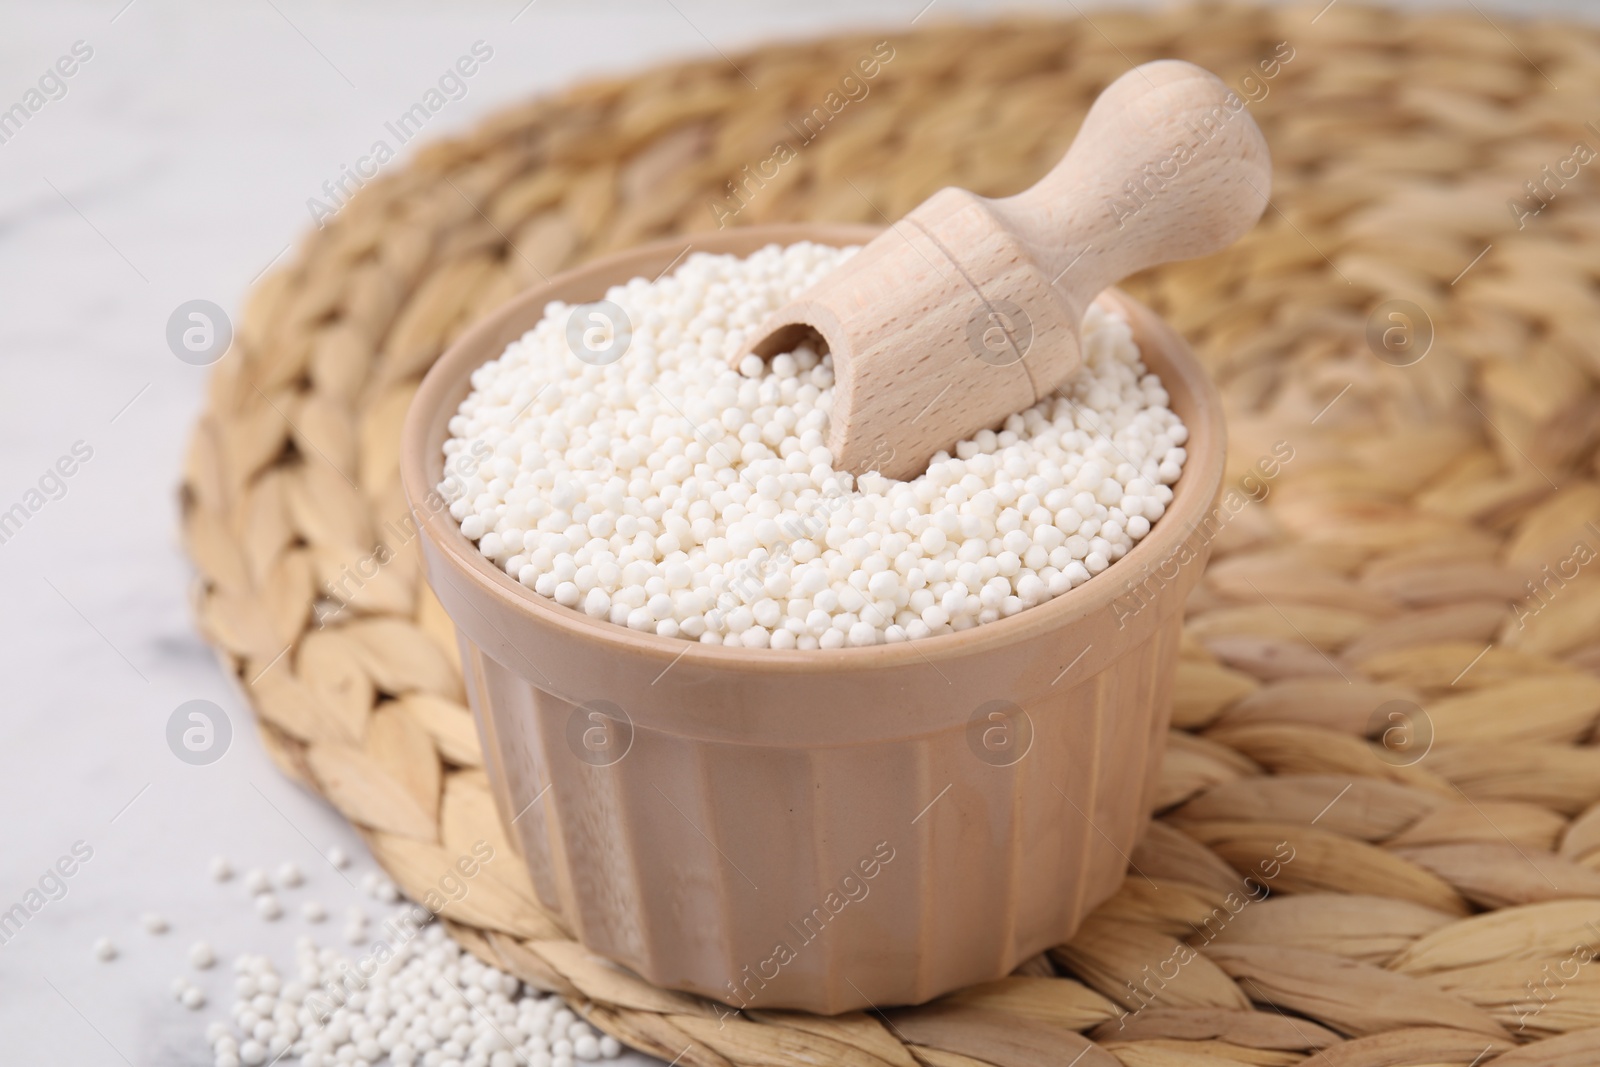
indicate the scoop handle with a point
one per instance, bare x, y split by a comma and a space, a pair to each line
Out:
1167, 165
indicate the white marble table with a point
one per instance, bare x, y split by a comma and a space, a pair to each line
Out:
177, 165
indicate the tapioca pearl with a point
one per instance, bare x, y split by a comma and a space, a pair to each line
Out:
670, 401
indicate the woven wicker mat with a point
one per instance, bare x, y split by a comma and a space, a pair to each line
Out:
1369, 684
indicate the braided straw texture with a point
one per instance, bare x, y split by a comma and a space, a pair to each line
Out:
1375, 718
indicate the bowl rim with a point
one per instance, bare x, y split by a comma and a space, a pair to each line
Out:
447, 382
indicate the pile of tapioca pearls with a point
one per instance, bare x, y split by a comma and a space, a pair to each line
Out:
429, 1004
671, 493
410, 997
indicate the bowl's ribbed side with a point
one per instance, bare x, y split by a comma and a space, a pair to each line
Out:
830, 878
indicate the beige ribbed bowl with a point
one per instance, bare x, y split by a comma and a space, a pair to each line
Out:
825, 830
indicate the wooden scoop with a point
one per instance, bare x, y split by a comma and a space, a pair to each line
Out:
968, 309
